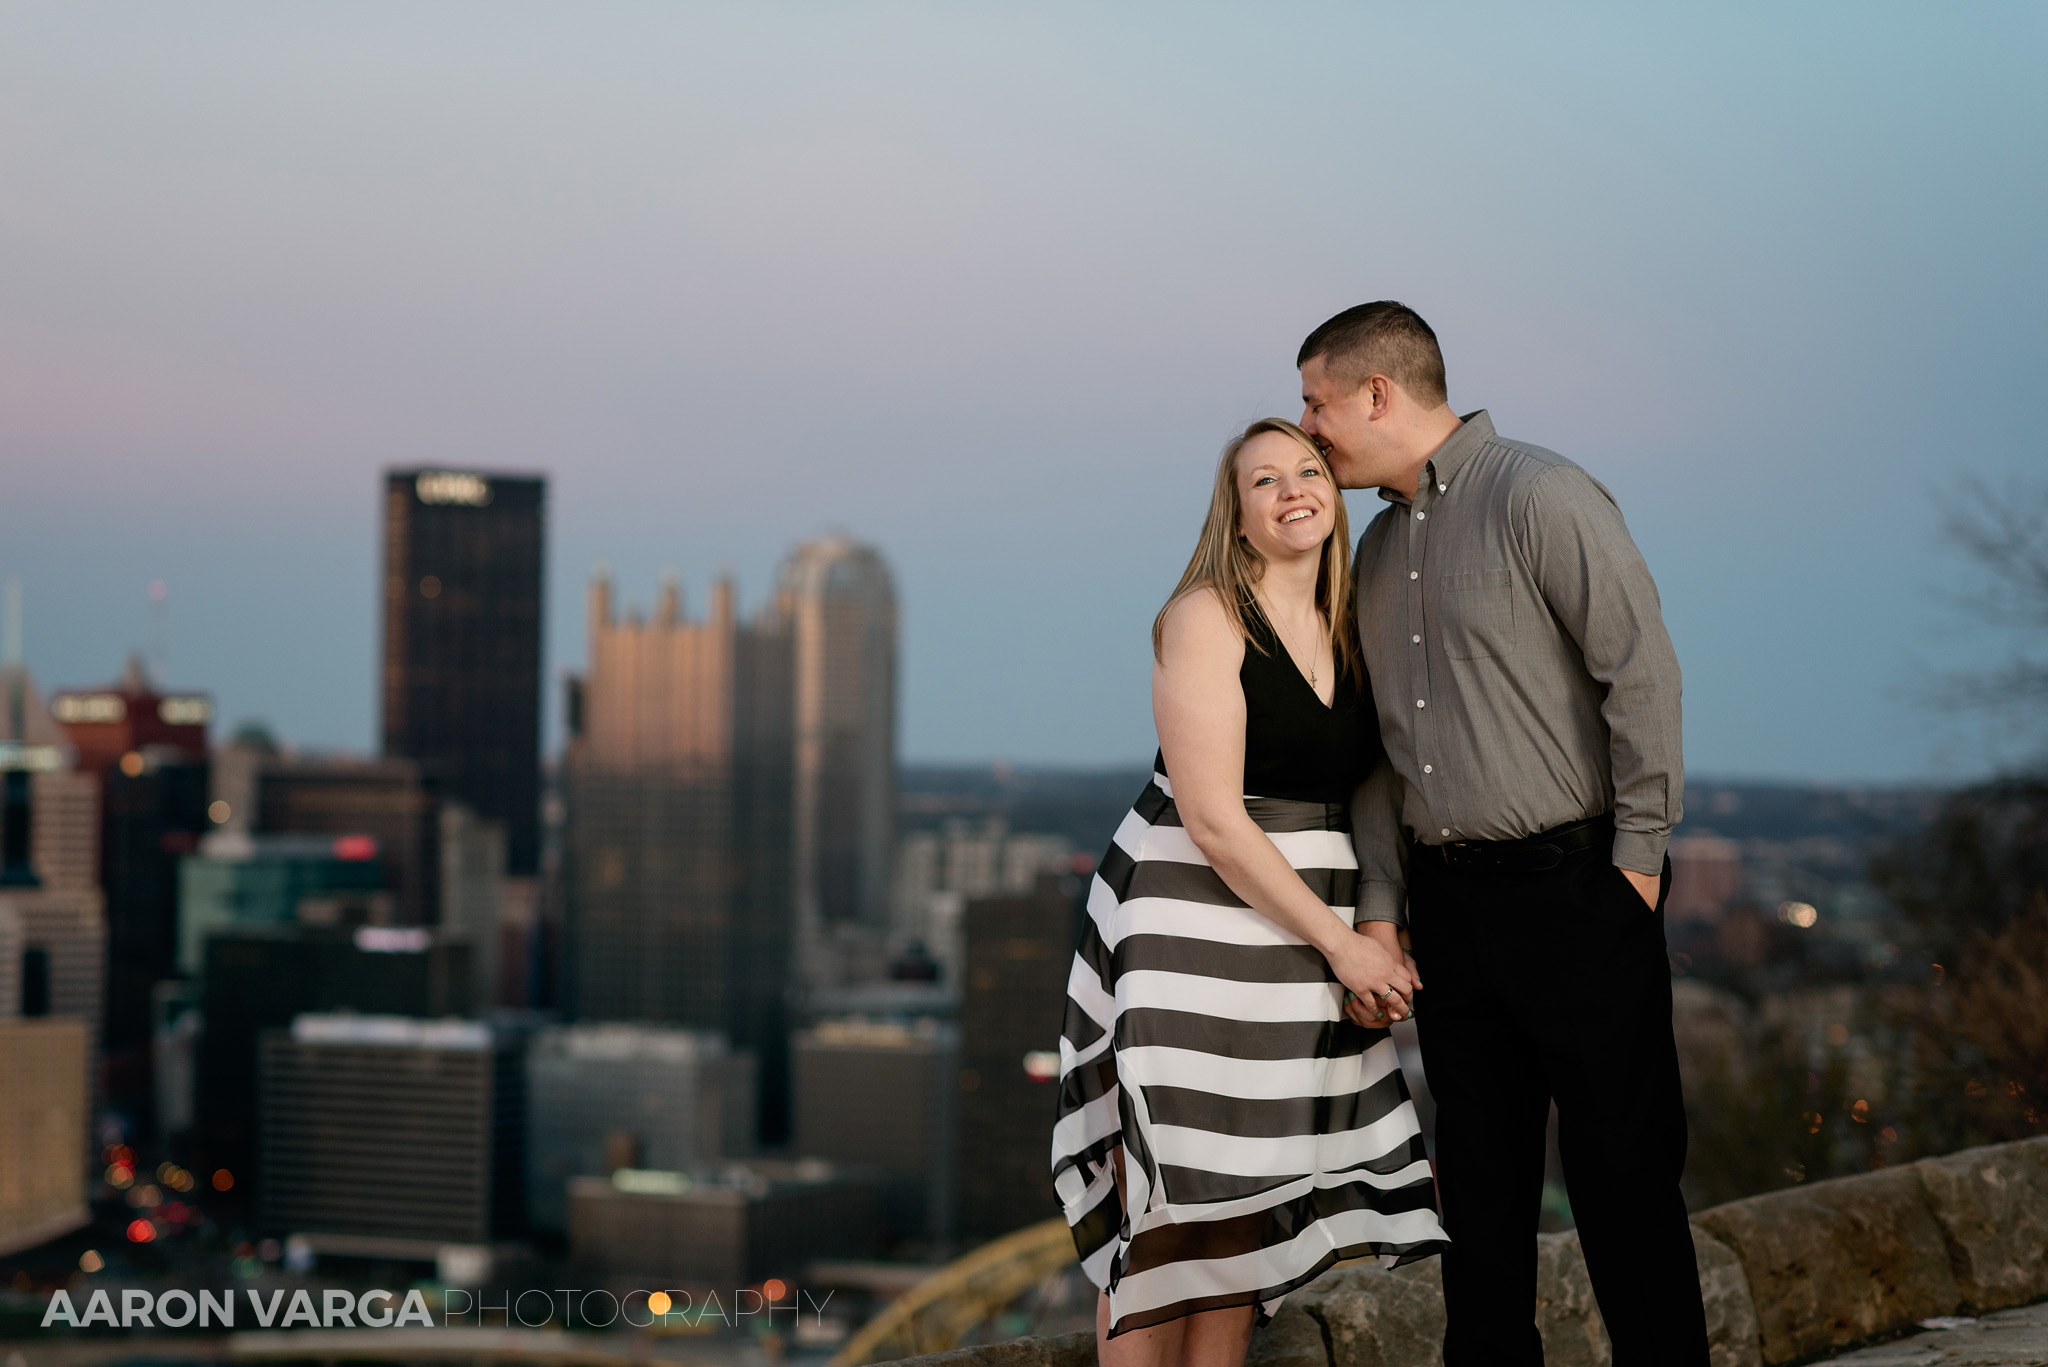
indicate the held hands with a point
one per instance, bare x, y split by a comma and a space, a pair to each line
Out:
1380, 980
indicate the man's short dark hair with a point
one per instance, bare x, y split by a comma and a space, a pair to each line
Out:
1381, 338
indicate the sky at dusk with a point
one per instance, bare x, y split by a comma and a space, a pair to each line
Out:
988, 286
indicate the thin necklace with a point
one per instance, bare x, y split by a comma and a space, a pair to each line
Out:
1315, 654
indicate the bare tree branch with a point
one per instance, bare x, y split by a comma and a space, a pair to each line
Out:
2004, 532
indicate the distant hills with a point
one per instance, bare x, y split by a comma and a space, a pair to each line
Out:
1085, 805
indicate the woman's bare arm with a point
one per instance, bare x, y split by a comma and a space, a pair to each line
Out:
1198, 705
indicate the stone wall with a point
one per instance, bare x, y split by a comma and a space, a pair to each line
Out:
1787, 1276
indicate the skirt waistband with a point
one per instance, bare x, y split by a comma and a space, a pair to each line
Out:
1271, 813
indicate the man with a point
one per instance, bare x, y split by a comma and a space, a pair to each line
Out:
1528, 698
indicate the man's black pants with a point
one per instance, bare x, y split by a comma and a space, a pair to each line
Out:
1540, 987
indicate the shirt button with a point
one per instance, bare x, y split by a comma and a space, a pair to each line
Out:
1416, 639
1447, 830
1420, 703
1443, 488
1420, 517
1428, 768
1414, 575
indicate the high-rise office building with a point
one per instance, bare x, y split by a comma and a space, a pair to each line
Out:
746, 1222
52, 963
49, 808
391, 801
462, 640
238, 880
879, 1095
604, 1097
147, 750
53, 935
473, 893
50, 830
53, 947
387, 1136
677, 785
43, 1136
261, 977
441, 862
841, 608
153, 813
107, 724
53, 956
937, 872
1019, 949
67, 829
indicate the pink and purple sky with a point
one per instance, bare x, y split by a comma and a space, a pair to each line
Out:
988, 286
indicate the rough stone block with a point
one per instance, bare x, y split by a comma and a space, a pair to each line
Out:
1365, 1316
2011, 1338
1733, 1339
1835, 1263
1292, 1339
1371, 1317
1064, 1350
952, 1357
1568, 1315
1993, 1204
1380, 1319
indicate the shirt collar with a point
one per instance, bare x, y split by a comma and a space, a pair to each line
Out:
1475, 429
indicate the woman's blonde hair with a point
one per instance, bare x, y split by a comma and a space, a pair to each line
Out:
1225, 561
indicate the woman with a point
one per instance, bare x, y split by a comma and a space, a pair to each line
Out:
1226, 1130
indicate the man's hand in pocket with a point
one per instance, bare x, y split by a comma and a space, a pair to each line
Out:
1645, 885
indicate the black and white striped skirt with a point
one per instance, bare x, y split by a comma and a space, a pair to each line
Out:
1265, 1135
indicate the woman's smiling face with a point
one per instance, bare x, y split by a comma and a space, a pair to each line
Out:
1283, 497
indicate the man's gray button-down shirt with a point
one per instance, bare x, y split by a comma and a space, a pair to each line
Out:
1523, 676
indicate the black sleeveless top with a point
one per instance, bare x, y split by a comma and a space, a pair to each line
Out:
1294, 747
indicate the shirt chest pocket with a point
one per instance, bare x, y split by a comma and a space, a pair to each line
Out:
1475, 614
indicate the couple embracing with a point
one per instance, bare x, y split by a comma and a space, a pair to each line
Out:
1454, 761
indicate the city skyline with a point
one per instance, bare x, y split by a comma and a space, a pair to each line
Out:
588, 577
988, 291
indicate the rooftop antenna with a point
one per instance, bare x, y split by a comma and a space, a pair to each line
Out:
159, 630
10, 630
15, 811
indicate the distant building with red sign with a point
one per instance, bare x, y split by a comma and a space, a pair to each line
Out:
147, 747
108, 724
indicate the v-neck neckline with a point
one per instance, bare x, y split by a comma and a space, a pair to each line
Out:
1295, 665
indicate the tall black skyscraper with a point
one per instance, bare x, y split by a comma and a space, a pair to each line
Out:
148, 754
462, 640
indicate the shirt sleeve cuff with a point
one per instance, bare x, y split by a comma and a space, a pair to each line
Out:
1382, 902
1641, 851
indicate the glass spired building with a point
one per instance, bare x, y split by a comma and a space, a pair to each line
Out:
841, 606
462, 641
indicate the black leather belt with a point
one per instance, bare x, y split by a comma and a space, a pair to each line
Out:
1532, 854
